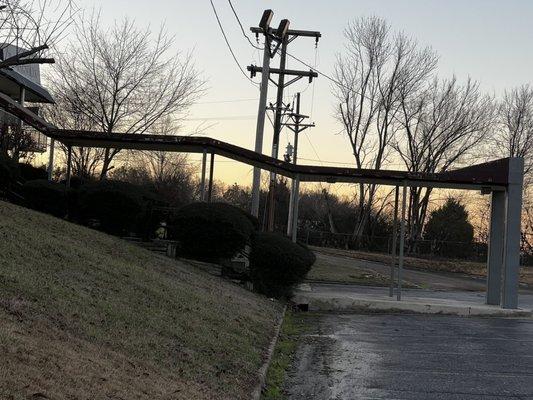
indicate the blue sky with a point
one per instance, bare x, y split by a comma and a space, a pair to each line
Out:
490, 41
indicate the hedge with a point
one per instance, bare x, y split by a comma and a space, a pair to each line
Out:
210, 231
120, 208
45, 196
277, 264
29, 173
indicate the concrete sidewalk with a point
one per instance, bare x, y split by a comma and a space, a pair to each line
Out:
324, 297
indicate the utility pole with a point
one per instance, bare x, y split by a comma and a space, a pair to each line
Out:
296, 126
283, 36
256, 185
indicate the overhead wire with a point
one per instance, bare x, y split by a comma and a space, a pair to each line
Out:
242, 27
229, 45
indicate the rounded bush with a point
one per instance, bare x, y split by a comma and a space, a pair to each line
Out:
45, 196
29, 173
210, 231
112, 206
277, 264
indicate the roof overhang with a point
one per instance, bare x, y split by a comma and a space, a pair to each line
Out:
11, 81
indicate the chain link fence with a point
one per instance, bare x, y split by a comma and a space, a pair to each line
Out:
430, 249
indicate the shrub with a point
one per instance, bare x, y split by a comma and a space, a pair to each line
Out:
8, 172
119, 207
45, 196
277, 264
449, 230
29, 173
210, 231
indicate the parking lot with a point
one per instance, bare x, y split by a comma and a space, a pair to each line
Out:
400, 356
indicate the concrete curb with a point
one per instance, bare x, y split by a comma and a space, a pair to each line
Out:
325, 302
256, 394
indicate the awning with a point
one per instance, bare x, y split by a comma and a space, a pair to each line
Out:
11, 81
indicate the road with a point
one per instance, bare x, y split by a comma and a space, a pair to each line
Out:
413, 357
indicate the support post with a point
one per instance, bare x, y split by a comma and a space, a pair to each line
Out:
51, 159
295, 201
277, 130
293, 193
211, 170
69, 165
513, 214
495, 250
394, 236
402, 240
202, 178
259, 130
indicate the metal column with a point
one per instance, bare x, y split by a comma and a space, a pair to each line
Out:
495, 250
394, 237
295, 201
513, 214
69, 163
51, 159
211, 170
402, 240
202, 179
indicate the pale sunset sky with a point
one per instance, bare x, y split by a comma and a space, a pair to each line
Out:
490, 41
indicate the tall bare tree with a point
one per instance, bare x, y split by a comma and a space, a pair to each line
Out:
442, 124
376, 69
514, 138
28, 28
125, 79
514, 134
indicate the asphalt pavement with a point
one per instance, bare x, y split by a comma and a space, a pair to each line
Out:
398, 356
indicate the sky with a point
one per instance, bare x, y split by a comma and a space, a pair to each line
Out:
487, 40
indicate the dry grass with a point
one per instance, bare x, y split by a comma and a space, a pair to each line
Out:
421, 264
325, 270
85, 315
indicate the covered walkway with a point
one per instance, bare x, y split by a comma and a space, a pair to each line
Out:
501, 178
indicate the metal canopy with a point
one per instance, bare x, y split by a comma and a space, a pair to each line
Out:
11, 81
503, 177
488, 176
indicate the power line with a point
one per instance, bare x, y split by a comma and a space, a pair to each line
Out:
229, 46
242, 27
226, 101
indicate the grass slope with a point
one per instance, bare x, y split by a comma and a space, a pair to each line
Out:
85, 315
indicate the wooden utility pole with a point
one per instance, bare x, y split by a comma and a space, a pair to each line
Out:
267, 55
283, 36
296, 126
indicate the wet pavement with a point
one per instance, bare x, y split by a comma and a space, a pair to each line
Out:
377, 356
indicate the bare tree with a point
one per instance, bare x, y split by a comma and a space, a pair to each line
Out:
514, 138
125, 79
514, 135
86, 161
376, 69
441, 124
28, 28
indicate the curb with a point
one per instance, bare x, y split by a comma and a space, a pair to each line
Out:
422, 306
256, 393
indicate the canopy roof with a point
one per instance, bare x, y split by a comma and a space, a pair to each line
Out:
11, 81
488, 176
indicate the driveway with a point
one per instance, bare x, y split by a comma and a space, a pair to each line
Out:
413, 357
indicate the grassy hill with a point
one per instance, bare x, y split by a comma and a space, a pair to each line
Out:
84, 315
